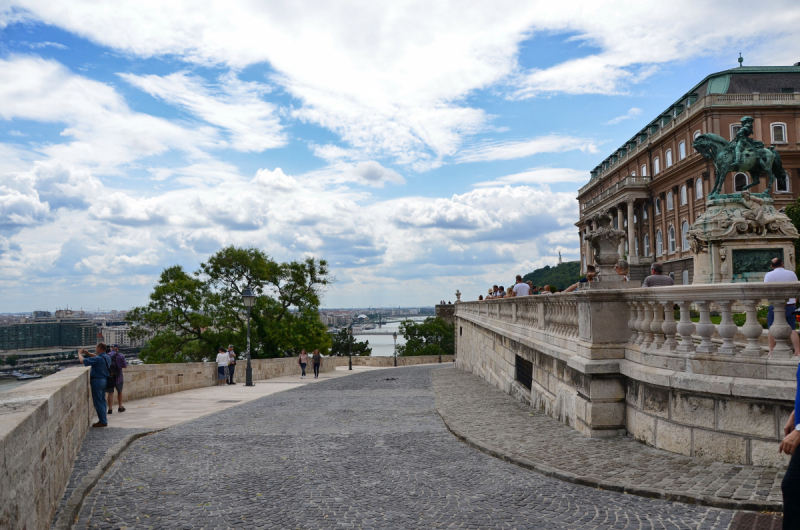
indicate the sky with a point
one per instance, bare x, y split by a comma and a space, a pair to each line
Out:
419, 147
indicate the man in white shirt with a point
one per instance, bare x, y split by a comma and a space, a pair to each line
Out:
779, 274
223, 359
521, 288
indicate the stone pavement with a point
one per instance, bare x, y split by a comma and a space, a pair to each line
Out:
367, 451
492, 420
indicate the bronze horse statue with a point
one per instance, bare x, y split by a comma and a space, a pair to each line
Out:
755, 161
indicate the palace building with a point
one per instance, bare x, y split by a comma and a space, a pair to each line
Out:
655, 184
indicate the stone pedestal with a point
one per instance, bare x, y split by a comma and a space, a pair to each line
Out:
737, 236
606, 241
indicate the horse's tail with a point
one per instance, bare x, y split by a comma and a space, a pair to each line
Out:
777, 165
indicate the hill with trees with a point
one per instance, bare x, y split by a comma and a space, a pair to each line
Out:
561, 276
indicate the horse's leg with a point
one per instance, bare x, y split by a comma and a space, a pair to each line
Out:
721, 171
754, 173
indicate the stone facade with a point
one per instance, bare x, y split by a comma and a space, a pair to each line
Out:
42, 425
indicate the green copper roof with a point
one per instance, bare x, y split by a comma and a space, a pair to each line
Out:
719, 85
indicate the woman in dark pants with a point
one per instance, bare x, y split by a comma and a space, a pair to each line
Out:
317, 358
791, 481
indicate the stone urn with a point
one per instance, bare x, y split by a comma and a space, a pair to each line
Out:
605, 241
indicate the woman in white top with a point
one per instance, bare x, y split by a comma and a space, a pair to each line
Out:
222, 366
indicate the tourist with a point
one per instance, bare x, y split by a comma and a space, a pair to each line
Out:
223, 359
115, 378
790, 485
779, 274
622, 268
521, 288
480, 298
303, 362
317, 358
656, 278
495, 291
501, 292
546, 290
532, 287
231, 364
98, 379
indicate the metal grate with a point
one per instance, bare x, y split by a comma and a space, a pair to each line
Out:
524, 372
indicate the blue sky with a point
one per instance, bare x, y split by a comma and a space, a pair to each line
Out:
420, 148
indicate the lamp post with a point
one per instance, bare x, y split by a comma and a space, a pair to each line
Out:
248, 299
395, 348
439, 341
349, 352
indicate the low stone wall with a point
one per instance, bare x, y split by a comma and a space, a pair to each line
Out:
388, 362
42, 425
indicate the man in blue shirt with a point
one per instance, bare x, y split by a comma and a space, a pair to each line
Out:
98, 379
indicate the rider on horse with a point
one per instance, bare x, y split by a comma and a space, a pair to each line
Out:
743, 142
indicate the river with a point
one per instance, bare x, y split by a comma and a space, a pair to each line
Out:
383, 345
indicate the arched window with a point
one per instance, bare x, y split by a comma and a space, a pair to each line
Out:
681, 150
646, 244
740, 180
657, 203
616, 222
684, 241
669, 201
668, 158
635, 218
644, 170
633, 173
695, 135
698, 189
778, 131
636, 246
626, 247
782, 183
684, 195
644, 212
671, 235
659, 243
735, 129
656, 166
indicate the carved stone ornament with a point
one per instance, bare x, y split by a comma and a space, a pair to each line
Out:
458, 295
605, 240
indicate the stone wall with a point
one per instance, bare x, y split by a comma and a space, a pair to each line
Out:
42, 425
387, 362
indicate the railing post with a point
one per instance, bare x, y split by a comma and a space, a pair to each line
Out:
669, 327
752, 328
685, 328
780, 330
705, 329
726, 329
646, 324
657, 326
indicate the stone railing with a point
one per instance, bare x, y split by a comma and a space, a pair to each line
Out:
616, 362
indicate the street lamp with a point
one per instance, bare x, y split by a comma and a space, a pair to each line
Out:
248, 299
439, 341
349, 340
395, 348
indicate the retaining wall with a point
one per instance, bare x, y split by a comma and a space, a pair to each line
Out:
42, 425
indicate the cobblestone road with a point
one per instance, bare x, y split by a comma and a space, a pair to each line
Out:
486, 415
365, 451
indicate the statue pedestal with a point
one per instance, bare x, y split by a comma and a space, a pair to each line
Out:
737, 236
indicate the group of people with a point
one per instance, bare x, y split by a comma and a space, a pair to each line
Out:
316, 357
105, 378
520, 288
226, 365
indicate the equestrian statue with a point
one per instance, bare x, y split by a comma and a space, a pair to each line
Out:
743, 154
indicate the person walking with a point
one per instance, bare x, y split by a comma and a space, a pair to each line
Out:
303, 362
656, 278
790, 486
115, 378
779, 274
223, 359
231, 364
317, 358
98, 379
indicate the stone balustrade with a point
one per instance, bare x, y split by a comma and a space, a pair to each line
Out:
616, 362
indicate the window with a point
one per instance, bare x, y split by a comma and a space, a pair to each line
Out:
684, 196
778, 133
671, 239
698, 189
740, 180
735, 129
782, 183
633, 173
636, 246
644, 212
626, 247
646, 244
695, 135
681, 150
668, 157
669, 201
787, 90
635, 218
656, 166
644, 170
657, 203
659, 243
684, 241
616, 222
685, 277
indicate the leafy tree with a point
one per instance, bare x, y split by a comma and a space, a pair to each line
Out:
422, 338
193, 315
12, 360
561, 276
793, 212
340, 341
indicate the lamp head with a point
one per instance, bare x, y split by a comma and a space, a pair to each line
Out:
248, 298
394, 335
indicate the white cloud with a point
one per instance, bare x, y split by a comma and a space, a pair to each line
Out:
538, 175
44, 44
632, 113
511, 149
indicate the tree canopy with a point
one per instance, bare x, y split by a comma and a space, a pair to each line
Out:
340, 340
192, 315
561, 276
422, 338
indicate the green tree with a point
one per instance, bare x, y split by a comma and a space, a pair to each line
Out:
12, 360
340, 341
560, 276
793, 212
422, 338
193, 315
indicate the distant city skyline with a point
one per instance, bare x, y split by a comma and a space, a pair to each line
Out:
420, 149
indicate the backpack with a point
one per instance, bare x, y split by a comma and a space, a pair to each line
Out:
113, 370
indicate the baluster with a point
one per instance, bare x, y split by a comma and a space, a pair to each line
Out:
669, 327
632, 322
657, 325
685, 328
575, 318
648, 320
639, 322
780, 330
705, 329
727, 329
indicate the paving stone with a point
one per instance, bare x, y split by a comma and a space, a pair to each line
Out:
355, 452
